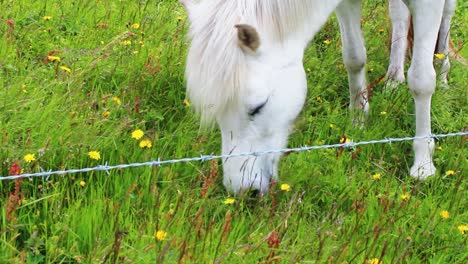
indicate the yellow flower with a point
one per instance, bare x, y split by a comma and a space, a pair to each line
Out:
445, 214
439, 56
319, 99
65, 68
53, 58
186, 102
95, 155
47, 18
381, 30
405, 196
160, 235
376, 176
463, 228
137, 134
374, 261
145, 143
285, 187
135, 25
229, 201
450, 172
327, 42
127, 42
116, 100
179, 18
29, 158
383, 113
82, 183
345, 140
440, 148
106, 114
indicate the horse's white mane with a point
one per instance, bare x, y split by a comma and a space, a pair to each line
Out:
216, 65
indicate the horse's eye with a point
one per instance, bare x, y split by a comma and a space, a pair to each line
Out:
257, 109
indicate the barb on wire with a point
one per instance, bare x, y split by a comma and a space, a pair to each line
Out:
204, 158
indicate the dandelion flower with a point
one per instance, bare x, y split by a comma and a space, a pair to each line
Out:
440, 148
47, 18
186, 102
137, 134
331, 126
383, 113
439, 56
95, 155
445, 214
135, 25
450, 172
345, 140
65, 68
405, 196
463, 229
160, 235
381, 30
327, 42
179, 18
229, 201
53, 58
116, 100
105, 114
29, 158
376, 176
285, 187
127, 42
145, 143
374, 261
82, 183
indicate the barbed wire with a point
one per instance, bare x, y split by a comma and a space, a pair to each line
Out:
204, 158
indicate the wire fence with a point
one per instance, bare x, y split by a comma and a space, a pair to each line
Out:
202, 158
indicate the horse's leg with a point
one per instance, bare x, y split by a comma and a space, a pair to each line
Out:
354, 55
400, 17
443, 40
426, 16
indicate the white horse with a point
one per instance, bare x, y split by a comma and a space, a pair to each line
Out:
244, 70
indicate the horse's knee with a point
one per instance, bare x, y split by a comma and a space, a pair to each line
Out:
355, 59
422, 80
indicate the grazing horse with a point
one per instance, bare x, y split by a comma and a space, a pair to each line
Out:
244, 70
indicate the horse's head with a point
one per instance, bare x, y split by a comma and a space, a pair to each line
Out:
258, 116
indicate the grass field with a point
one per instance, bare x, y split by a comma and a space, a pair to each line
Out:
79, 77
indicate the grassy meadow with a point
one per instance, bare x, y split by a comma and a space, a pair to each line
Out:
81, 81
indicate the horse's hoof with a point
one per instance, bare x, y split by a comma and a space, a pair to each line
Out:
423, 170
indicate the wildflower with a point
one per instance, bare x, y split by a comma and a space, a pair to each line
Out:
65, 68
376, 176
127, 42
29, 158
440, 148
462, 228
345, 140
381, 30
160, 235
95, 155
450, 172
135, 25
331, 126
445, 214
82, 183
47, 18
405, 196
439, 56
374, 261
327, 42
285, 187
319, 99
53, 58
116, 100
186, 102
137, 134
179, 18
145, 143
229, 201
106, 114
383, 113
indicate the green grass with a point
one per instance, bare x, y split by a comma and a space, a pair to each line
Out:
335, 212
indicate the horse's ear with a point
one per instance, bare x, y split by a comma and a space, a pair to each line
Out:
248, 37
